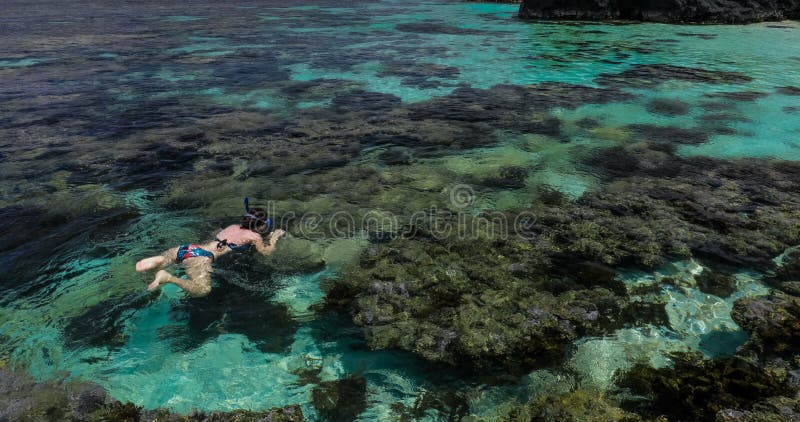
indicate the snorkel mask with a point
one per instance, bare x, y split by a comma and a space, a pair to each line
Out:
266, 220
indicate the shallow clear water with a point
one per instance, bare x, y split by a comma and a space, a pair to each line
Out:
124, 131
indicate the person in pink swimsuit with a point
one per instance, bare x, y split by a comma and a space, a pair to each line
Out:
197, 258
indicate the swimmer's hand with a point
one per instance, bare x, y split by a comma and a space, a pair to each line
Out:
266, 249
274, 236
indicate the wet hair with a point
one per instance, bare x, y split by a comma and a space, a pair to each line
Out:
256, 220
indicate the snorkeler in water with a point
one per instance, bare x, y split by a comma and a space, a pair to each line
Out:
197, 259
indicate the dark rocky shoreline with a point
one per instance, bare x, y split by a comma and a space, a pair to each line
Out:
672, 11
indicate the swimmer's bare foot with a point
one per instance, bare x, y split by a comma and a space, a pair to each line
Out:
149, 263
162, 277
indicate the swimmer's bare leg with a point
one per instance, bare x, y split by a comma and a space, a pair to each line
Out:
158, 261
198, 284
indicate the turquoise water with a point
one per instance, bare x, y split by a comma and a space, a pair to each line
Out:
28, 61
127, 133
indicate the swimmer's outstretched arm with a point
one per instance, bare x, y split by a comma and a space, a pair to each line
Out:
266, 249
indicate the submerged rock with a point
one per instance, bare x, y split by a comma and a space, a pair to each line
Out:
579, 405
296, 255
668, 107
291, 413
738, 96
716, 283
773, 409
788, 90
102, 325
422, 75
660, 205
786, 276
478, 300
479, 303
448, 404
89, 217
231, 309
701, 11
507, 177
395, 156
650, 75
656, 133
340, 400
773, 322
696, 389
437, 28
513, 302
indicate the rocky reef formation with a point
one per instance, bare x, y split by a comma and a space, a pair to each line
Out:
578, 405
491, 306
698, 389
478, 299
773, 321
24, 400
678, 11
483, 302
340, 400
759, 383
488, 302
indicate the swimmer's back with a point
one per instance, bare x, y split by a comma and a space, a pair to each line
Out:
237, 235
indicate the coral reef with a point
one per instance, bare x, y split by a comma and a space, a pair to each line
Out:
673, 206
103, 324
773, 322
91, 217
759, 383
650, 75
717, 283
478, 302
481, 300
668, 107
773, 409
231, 309
786, 276
340, 400
579, 405
696, 389
447, 404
